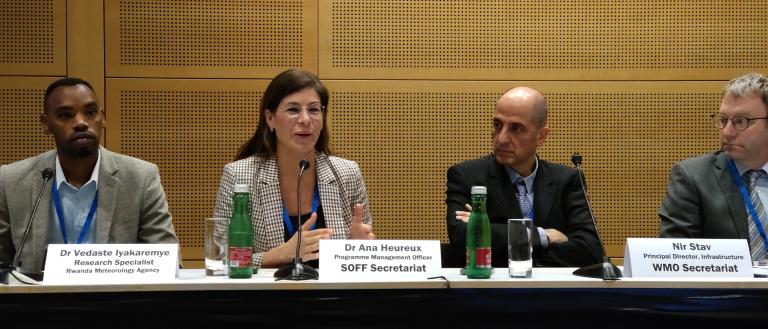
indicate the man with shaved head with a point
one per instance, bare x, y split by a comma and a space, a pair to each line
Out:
521, 185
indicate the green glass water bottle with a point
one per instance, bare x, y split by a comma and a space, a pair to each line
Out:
479, 237
240, 253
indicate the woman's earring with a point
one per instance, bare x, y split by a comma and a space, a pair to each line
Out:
271, 129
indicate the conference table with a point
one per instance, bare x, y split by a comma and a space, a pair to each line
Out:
553, 296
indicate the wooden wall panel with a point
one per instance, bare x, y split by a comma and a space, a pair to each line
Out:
21, 104
33, 37
85, 43
542, 40
210, 38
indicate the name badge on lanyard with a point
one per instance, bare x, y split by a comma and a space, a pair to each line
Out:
60, 214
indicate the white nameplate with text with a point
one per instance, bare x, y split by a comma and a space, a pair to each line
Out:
111, 263
649, 258
379, 260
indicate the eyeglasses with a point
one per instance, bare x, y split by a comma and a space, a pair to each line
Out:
293, 112
739, 122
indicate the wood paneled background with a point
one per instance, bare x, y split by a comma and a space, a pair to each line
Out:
413, 84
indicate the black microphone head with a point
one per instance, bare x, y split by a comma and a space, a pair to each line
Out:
576, 159
47, 173
303, 164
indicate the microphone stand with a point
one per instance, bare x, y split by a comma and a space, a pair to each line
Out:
605, 270
5, 272
297, 270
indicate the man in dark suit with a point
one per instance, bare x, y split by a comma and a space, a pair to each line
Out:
516, 179
710, 196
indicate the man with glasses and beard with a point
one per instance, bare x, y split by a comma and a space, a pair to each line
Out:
722, 195
96, 196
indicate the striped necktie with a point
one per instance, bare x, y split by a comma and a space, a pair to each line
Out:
522, 198
756, 243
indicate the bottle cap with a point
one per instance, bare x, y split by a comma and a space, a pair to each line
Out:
479, 190
241, 188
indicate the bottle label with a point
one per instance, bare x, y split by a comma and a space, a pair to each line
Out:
240, 257
483, 257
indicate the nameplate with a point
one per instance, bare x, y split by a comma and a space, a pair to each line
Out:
379, 260
649, 258
110, 263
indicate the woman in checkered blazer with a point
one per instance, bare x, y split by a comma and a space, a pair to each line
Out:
334, 201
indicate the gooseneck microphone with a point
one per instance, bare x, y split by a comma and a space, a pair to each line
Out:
47, 174
297, 270
303, 165
605, 270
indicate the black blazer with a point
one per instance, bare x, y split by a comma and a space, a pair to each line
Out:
559, 203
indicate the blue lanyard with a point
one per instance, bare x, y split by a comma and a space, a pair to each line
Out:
287, 219
747, 200
60, 214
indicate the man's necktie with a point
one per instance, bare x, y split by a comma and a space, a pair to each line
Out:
756, 243
522, 198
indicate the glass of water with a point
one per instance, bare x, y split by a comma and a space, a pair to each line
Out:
520, 248
216, 230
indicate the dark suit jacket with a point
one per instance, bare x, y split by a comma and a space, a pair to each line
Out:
132, 205
559, 203
702, 201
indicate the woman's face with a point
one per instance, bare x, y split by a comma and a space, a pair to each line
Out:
297, 122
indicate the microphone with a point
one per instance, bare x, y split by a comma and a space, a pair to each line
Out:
303, 165
605, 270
297, 270
47, 174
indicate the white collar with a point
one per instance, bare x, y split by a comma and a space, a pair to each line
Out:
94, 174
743, 169
513, 175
